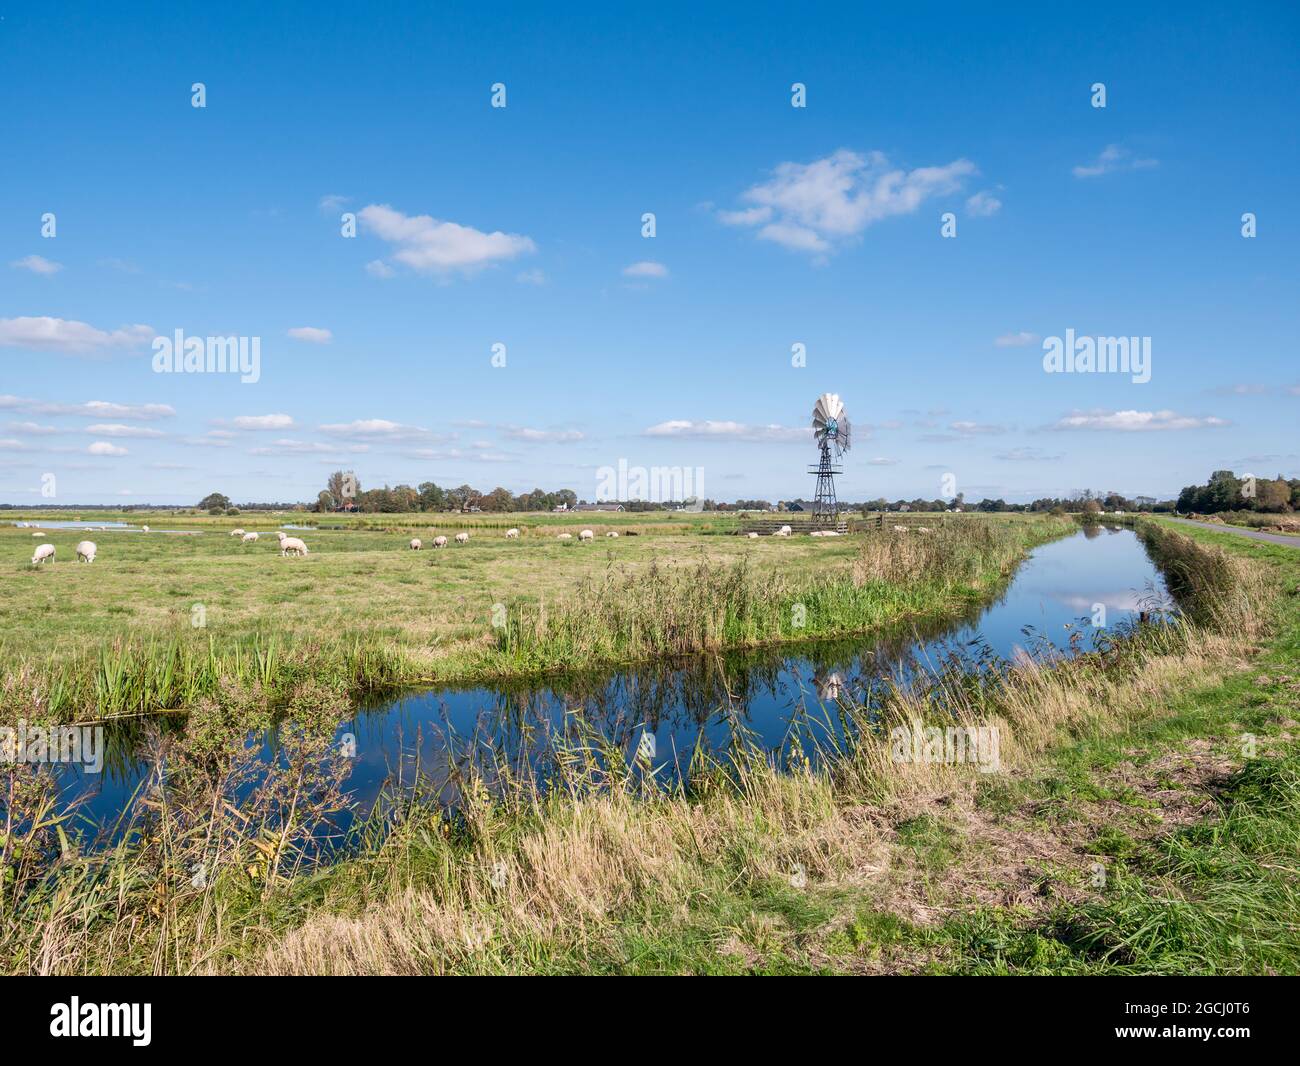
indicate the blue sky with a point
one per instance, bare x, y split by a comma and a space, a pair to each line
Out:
521, 225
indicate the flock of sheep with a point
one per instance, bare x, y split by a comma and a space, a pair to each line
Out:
294, 546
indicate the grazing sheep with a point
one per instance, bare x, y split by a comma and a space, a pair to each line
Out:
564, 536
923, 529
43, 552
439, 542
900, 529
817, 533
752, 536
784, 531
144, 529
292, 546
512, 534
416, 544
38, 534
86, 550
462, 538
586, 534
612, 533
236, 532
248, 538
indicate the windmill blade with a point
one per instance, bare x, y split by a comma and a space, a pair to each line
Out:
845, 436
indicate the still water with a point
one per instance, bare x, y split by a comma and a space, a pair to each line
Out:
1098, 575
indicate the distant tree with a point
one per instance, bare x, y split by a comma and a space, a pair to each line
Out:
325, 501
214, 499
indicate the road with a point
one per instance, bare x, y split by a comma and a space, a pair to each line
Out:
1253, 534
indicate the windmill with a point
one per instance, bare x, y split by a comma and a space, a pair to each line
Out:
831, 429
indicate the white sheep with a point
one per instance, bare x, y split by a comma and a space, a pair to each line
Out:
612, 533
512, 534
144, 529
784, 531
900, 529
462, 538
416, 544
292, 546
817, 533
236, 532
564, 536
248, 538
38, 534
86, 550
439, 542
752, 536
923, 529
586, 534
43, 552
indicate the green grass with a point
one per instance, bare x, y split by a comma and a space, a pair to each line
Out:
1130, 832
159, 621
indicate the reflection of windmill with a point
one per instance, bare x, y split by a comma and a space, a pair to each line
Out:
831, 429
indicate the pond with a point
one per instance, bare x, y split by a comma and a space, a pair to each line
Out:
1089, 583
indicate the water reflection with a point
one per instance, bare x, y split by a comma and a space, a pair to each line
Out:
785, 699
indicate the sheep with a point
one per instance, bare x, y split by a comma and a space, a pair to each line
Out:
564, 536
416, 544
462, 538
586, 534
512, 534
86, 550
248, 538
612, 533
439, 542
752, 536
38, 534
900, 529
144, 529
923, 529
784, 531
43, 552
817, 533
236, 532
292, 546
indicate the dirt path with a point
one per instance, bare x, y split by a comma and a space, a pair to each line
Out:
1253, 534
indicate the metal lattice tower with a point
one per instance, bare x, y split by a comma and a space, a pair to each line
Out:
831, 429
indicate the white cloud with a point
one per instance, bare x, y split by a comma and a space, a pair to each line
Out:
37, 264
714, 430
645, 269
260, 422
970, 429
544, 436
311, 334
377, 429
103, 447
1026, 455
377, 268
67, 335
302, 447
983, 204
33, 429
117, 429
433, 246
332, 202
880, 460
1113, 158
1136, 421
444, 454
813, 207
1017, 340
10, 444
143, 412
531, 277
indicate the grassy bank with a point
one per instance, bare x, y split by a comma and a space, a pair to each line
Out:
161, 621
1130, 827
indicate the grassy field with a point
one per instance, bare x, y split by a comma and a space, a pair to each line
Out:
362, 612
1145, 819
